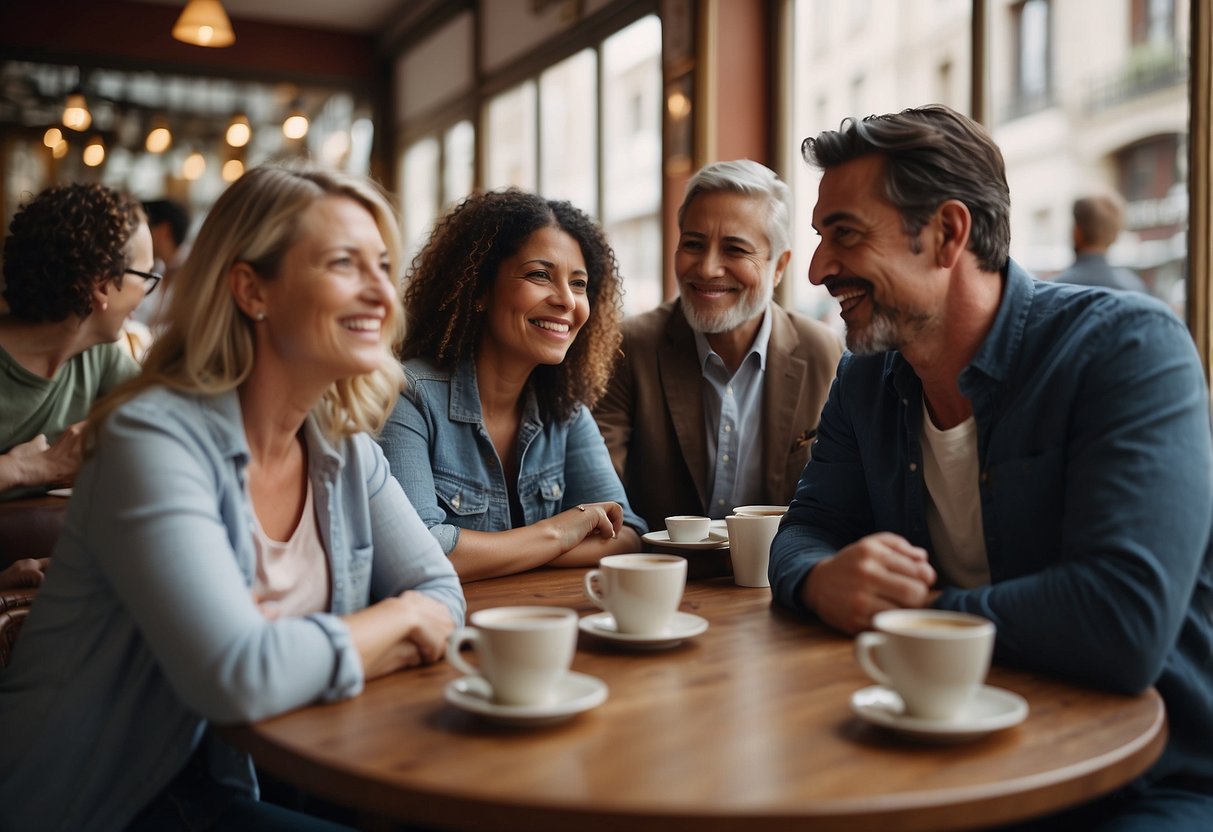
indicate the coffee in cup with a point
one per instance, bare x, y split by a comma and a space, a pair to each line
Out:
641, 592
934, 659
523, 652
687, 528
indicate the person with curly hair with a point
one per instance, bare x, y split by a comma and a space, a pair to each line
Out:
77, 261
236, 546
513, 311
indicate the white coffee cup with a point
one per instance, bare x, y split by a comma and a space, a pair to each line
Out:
750, 537
762, 511
641, 592
687, 528
934, 659
523, 652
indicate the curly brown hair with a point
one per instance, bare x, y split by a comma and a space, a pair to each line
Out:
458, 265
62, 244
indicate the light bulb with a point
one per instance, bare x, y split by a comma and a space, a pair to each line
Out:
295, 126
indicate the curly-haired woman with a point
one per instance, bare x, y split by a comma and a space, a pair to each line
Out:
513, 311
77, 261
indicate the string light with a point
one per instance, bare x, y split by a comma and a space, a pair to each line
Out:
239, 131
75, 111
94, 152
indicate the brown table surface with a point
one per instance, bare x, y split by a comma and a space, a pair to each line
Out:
745, 727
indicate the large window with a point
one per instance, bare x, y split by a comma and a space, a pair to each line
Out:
1070, 120
545, 135
585, 128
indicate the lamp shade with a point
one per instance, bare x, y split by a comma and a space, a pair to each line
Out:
204, 23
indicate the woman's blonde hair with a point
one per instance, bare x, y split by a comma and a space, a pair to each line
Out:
207, 346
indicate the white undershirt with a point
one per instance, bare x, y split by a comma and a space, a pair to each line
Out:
949, 468
293, 574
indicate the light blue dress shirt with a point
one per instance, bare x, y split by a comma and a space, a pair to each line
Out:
732, 416
146, 630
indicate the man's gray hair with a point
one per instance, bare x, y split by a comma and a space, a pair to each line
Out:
743, 176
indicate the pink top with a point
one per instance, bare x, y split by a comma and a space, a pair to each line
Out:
292, 576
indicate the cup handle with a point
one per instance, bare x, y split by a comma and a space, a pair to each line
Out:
865, 646
464, 635
592, 592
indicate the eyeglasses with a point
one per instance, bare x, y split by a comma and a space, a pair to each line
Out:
150, 279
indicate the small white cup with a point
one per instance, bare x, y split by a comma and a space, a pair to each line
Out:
641, 592
935, 659
750, 537
762, 511
687, 528
523, 652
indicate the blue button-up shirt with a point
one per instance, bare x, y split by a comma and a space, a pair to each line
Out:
732, 416
437, 446
1096, 480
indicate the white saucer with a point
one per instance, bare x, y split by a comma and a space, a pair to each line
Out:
575, 693
715, 540
992, 709
682, 626
59, 492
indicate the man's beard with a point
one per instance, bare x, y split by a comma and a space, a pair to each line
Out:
750, 304
885, 331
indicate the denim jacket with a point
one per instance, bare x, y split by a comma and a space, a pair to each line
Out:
1096, 487
146, 630
437, 446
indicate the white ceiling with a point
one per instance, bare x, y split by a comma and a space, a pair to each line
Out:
348, 15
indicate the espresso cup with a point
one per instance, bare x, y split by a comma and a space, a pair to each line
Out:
934, 659
762, 511
687, 528
750, 537
523, 652
641, 592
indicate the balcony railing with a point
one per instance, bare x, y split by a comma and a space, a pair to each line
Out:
1145, 71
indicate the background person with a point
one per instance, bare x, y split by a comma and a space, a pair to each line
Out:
77, 261
169, 222
1043, 450
236, 546
716, 399
1098, 221
513, 310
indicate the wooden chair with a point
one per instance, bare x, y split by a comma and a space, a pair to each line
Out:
14, 607
29, 528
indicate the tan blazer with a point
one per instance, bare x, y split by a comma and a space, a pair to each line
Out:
652, 413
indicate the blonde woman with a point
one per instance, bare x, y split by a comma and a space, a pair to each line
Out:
236, 546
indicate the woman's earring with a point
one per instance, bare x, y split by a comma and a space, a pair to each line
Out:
260, 316
479, 306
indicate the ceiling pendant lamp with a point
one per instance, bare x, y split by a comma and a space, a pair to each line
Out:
204, 23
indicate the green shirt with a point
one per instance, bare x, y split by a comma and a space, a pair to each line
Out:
31, 404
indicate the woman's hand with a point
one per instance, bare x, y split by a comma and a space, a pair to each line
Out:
431, 625
587, 520
400, 632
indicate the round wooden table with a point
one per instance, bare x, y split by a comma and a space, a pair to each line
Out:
745, 727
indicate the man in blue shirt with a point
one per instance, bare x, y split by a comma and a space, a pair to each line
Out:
1035, 453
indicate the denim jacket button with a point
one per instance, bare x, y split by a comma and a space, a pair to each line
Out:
455, 501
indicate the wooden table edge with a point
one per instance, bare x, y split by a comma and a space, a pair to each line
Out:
1010, 800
